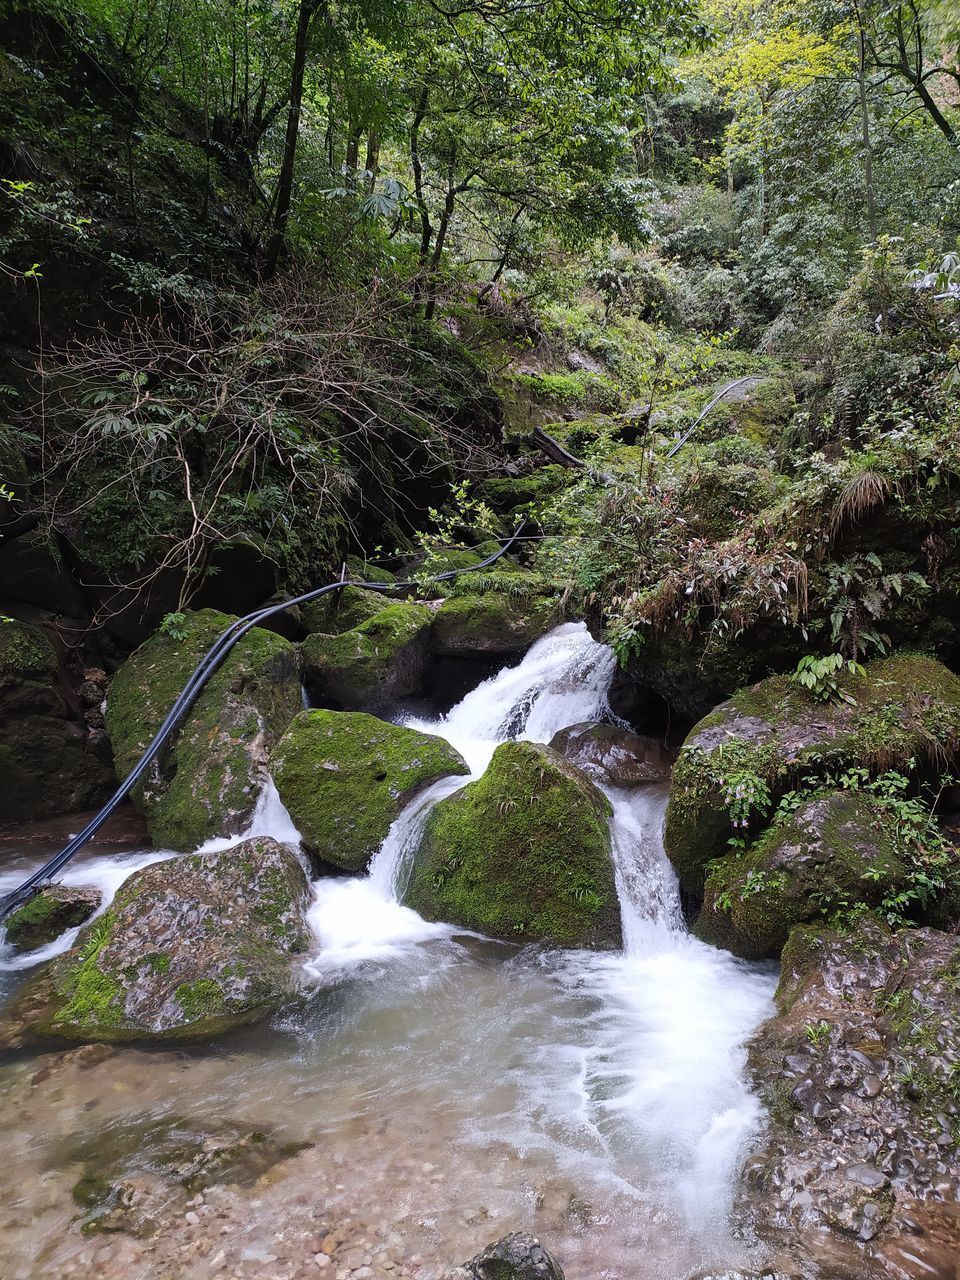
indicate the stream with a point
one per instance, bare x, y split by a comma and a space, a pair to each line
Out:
452, 1088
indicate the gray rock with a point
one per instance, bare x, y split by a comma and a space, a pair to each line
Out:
518, 1256
188, 948
611, 754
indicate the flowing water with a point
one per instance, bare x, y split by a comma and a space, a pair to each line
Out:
452, 1088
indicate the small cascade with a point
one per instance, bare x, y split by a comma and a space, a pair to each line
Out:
269, 818
646, 881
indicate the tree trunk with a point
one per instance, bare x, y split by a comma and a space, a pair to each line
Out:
281, 211
865, 128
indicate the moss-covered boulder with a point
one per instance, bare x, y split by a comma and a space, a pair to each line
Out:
858, 1071
522, 854
378, 661
514, 496
766, 738
51, 762
490, 623
206, 782
188, 948
342, 610
344, 776
837, 851
56, 908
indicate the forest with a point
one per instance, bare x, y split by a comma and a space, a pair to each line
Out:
479, 590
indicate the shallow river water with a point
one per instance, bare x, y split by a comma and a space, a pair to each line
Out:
450, 1088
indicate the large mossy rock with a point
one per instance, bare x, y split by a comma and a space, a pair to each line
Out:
188, 948
206, 782
378, 661
344, 776
342, 610
903, 709
50, 763
522, 854
491, 623
54, 909
859, 1072
837, 851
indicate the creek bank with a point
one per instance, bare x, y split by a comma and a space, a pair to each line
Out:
858, 1071
189, 948
207, 781
522, 854
345, 776
766, 739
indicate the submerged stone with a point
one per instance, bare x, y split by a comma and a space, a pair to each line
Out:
206, 781
904, 709
189, 947
518, 1256
522, 854
344, 776
55, 908
378, 661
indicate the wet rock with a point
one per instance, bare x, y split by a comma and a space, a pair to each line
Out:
50, 762
611, 754
519, 1256
522, 854
344, 776
837, 850
188, 948
858, 1007
491, 622
54, 909
134, 1176
906, 708
206, 781
377, 661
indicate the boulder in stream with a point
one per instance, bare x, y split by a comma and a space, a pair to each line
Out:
767, 738
859, 1071
837, 851
518, 1256
54, 909
344, 776
491, 623
207, 781
612, 754
522, 854
342, 610
188, 948
377, 661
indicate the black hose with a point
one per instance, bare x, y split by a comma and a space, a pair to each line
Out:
201, 673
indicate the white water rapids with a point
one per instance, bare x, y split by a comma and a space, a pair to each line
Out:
619, 1072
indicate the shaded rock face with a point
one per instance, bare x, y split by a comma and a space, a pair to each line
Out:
188, 948
135, 1176
859, 1070
206, 782
492, 623
906, 708
52, 761
522, 854
519, 1256
838, 849
611, 754
56, 908
344, 776
378, 661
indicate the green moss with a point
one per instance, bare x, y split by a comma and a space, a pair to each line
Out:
373, 662
25, 652
207, 782
341, 610
201, 999
524, 853
94, 999
904, 708
508, 494
496, 622
836, 853
344, 777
